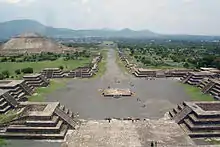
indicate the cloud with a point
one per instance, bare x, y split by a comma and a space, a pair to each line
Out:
162, 16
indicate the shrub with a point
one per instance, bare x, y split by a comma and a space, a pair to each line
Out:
17, 71
5, 73
1, 76
27, 70
61, 67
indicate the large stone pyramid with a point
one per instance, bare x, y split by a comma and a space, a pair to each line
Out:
31, 43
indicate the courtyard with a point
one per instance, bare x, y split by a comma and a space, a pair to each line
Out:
83, 96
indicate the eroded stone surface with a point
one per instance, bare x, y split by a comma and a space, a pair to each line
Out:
128, 133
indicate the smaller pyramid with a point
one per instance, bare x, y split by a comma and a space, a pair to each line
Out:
31, 43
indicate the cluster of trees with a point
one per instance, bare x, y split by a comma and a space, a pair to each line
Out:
84, 45
6, 74
46, 56
185, 53
76, 55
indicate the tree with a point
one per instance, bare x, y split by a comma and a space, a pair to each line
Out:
27, 70
1, 76
5, 73
61, 67
17, 71
186, 65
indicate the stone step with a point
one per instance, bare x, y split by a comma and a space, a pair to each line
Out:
3, 105
29, 135
2, 99
213, 93
24, 128
65, 117
216, 90
42, 123
5, 109
203, 120
200, 134
17, 92
171, 113
206, 127
217, 97
21, 95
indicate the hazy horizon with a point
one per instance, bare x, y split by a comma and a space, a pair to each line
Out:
192, 17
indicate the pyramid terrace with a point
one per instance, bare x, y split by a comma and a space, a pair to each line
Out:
7, 102
194, 78
36, 80
198, 119
17, 88
36, 120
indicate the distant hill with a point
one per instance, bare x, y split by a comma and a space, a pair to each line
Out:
16, 27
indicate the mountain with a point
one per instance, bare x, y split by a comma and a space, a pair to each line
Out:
16, 27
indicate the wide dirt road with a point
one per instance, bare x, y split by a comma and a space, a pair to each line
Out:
83, 96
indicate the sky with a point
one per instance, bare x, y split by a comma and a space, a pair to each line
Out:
198, 17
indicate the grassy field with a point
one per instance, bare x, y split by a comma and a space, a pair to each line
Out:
38, 66
196, 94
102, 64
120, 63
43, 91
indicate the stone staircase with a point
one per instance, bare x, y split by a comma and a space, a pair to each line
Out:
40, 121
36, 80
207, 88
66, 115
81, 72
52, 73
186, 78
203, 120
7, 102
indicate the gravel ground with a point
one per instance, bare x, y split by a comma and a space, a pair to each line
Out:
117, 133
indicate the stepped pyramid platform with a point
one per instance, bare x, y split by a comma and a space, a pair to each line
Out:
37, 120
140, 72
177, 72
80, 72
52, 73
114, 92
194, 78
159, 73
17, 88
36, 80
211, 86
7, 102
198, 119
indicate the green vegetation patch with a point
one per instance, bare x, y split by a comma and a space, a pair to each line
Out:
196, 94
213, 141
42, 92
3, 143
5, 118
13, 67
102, 64
120, 63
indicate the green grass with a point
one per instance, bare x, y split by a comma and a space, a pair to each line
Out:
196, 94
3, 143
5, 118
38, 66
213, 141
42, 92
120, 63
102, 64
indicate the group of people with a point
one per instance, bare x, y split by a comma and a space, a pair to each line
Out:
129, 118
